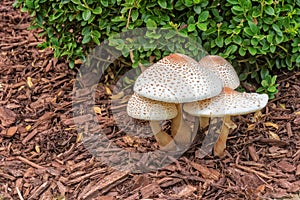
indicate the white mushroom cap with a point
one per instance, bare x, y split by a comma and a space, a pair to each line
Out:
223, 69
177, 79
229, 102
142, 108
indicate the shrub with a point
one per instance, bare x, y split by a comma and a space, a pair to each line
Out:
256, 36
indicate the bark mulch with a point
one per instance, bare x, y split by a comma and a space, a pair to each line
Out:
42, 155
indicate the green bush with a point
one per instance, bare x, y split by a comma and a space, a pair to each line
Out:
256, 36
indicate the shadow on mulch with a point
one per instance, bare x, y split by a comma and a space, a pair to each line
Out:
42, 156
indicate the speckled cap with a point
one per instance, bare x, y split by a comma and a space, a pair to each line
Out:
223, 69
142, 108
177, 78
229, 102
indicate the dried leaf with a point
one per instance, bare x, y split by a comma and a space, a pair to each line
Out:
282, 106
274, 135
271, 124
97, 110
78, 62
108, 91
127, 139
260, 188
27, 128
251, 127
257, 115
117, 96
125, 99
21, 88
37, 149
29, 82
79, 137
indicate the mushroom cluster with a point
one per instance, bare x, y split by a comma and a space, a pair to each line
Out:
205, 89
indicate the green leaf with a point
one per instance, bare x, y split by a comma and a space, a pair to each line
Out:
254, 41
237, 10
248, 31
71, 64
270, 38
256, 13
252, 51
29, 4
298, 59
197, 9
78, 2
237, 39
272, 89
134, 15
253, 27
279, 39
191, 27
151, 24
96, 40
228, 40
231, 49
272, 49
242, 51
202, 26
162, 3
269, 10
273, 80
264, 83
86, 39
96, 34
219, 41
277, 29
97, 11
170, 34
104, 2
203, 16
233, 2
264, 72
86, 15
260, 90
243, 76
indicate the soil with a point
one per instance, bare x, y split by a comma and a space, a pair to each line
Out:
43, 154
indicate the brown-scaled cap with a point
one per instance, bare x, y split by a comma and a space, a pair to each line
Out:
142, 108
223, 69
229, 102
177, 78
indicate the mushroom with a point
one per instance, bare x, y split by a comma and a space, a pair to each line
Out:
228, 103
178, 79
154, 111
225, 71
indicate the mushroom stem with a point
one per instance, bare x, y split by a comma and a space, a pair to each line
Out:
220, 145
181, 131
164, 140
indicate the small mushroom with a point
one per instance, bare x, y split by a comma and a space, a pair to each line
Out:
154, 111
225, 72
223, 69
178, 79
228, 103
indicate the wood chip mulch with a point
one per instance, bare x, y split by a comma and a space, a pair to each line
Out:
42, 155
